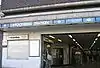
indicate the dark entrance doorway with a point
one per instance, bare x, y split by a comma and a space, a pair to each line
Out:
76, 50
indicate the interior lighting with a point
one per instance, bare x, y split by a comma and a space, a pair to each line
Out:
70, 36
96, 39
48, 45
79, 45
76, 42
50, 41
98, 35
51, 36
59, 40
92, 44
46, 38
73, 39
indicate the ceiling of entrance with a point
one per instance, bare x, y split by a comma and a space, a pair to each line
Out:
63, 37
83, 39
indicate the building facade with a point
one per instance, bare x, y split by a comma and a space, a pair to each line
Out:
23, 28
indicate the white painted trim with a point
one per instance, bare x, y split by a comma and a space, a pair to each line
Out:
50, 17
55, 12
52, 6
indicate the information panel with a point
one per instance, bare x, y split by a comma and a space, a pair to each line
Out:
34, 48
18, 49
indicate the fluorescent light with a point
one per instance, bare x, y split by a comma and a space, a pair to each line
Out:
73, 39
76, 42
51, 36
96, 39
45, 38
48, 45
92, 44
59, 40
70, 36
98, 35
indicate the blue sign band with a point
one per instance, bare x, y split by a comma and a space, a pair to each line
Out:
59, 22
98, 19
72, 21
50, 22
89, 20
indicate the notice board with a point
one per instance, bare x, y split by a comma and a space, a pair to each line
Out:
34, 48
18, 49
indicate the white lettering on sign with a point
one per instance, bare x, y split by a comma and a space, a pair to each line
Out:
42, 23
21, 24
5, 25
59, 22
89, 19
15, 37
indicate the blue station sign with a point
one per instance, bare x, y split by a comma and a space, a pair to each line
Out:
98, 19
61, 21
52, 22
38, 23
74, 20
21, 24
88, 20
6, 25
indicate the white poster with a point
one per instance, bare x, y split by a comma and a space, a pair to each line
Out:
34, 47
18, 49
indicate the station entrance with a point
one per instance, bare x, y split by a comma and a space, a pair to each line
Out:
71, 50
